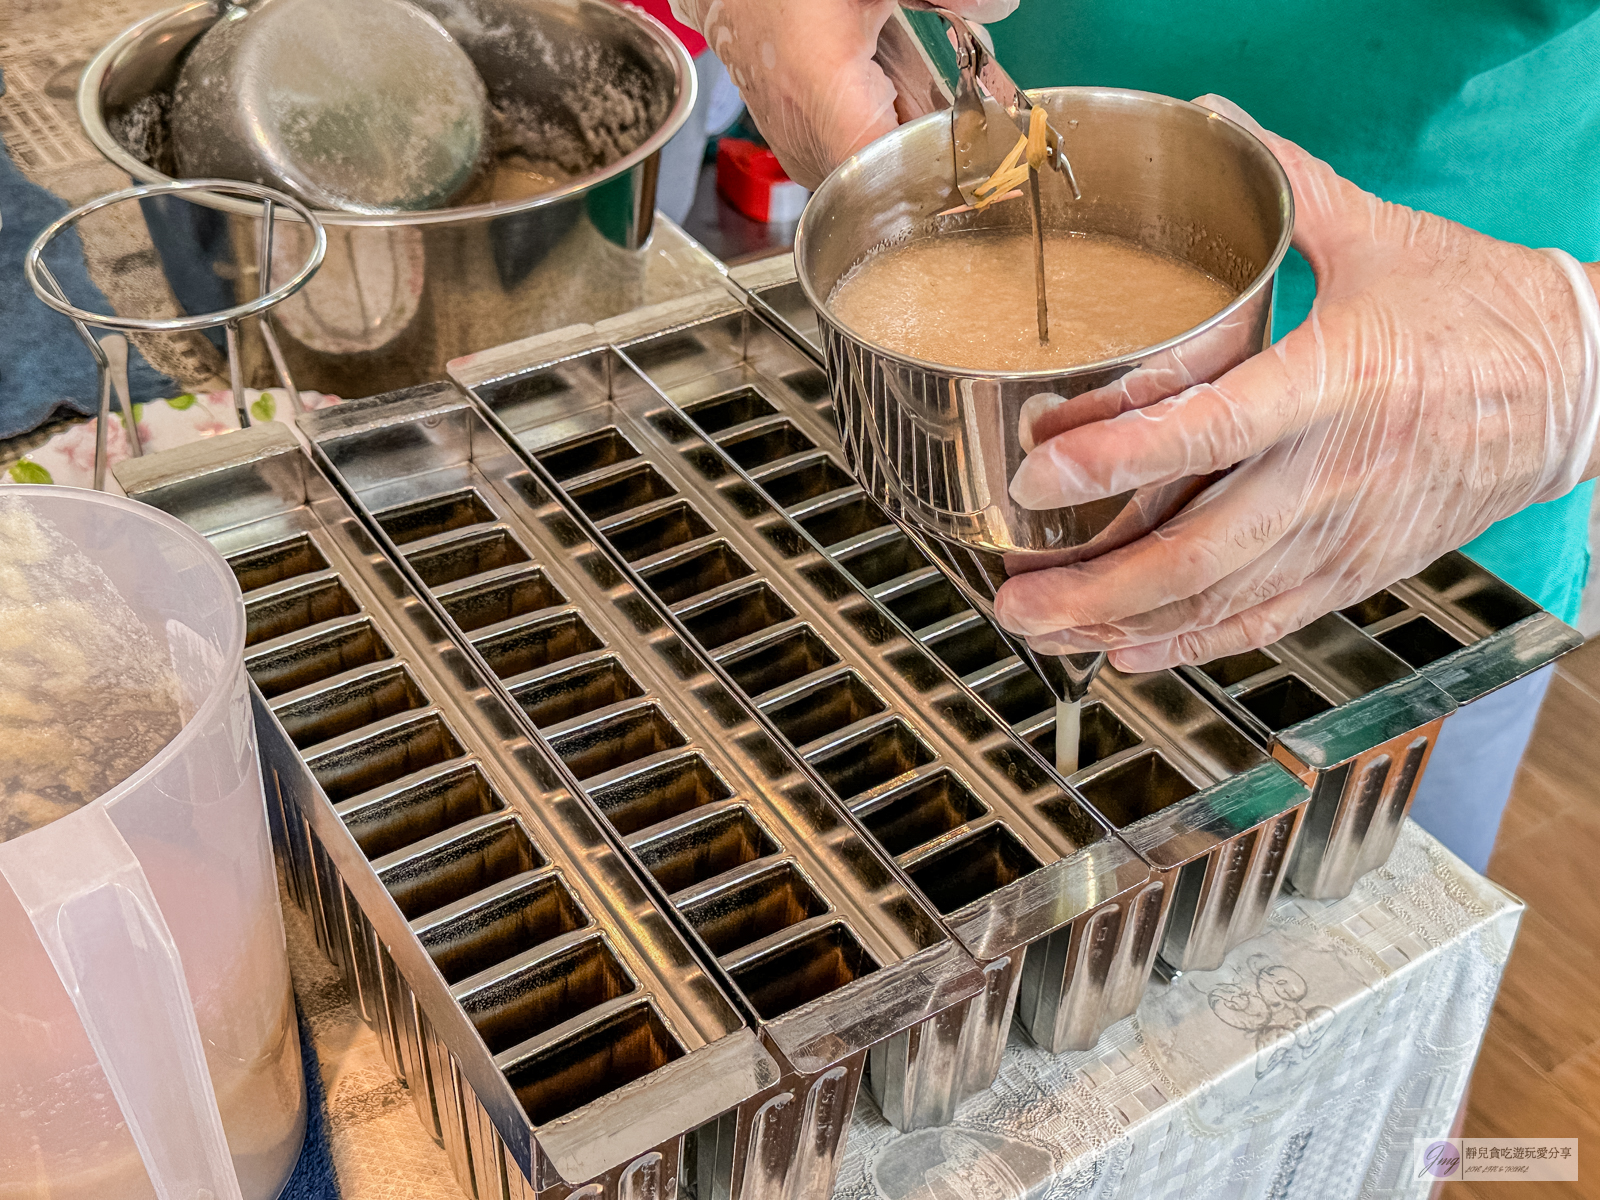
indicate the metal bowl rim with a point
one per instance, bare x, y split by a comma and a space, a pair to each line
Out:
92, 119
1132, 358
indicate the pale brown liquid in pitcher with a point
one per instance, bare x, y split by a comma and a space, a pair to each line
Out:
968, 300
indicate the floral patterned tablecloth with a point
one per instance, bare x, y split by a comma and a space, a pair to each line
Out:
68, 457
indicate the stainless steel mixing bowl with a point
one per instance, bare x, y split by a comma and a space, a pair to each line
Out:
937, 446
399, 295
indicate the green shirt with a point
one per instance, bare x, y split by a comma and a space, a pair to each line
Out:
1483, 111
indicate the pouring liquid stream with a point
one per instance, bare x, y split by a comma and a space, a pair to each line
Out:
1069, 717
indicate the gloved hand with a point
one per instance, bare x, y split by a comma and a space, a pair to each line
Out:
1443, 381
805, 70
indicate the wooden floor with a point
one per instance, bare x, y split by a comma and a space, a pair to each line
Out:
1538, 1074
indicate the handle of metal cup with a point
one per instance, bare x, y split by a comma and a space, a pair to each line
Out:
46, 287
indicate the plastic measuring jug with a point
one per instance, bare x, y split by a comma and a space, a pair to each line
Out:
148, 1045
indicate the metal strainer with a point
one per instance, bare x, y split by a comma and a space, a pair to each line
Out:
361, 105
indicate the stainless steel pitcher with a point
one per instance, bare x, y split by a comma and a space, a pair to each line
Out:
937, 446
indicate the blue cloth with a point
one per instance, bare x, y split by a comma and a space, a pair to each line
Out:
1467, 785
44, 365
1483, 111
313, 1177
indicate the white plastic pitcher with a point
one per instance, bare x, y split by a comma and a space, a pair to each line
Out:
147, 1037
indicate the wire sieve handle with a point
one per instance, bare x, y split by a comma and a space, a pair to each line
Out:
46, 287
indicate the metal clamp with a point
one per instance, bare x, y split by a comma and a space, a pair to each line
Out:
110, 353
976, 63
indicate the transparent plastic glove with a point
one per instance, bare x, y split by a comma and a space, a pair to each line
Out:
1443, 381
805, 69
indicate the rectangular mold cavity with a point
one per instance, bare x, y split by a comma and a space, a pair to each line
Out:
1419, 641
501, 599
1490, 601
737, 616
822, 709
588, 453
527, 389
437, 514
617, 740
780, 661
810, 384
538, 644
684, 577
618, 493
917, 815
673, 526
809, 480
666, 790
385, 757
973, 867
1143, 785
934, 601
865, 762
266, 565
509, 1011
800, 972
1018, 696
1236, 668
754, 909
1283, 702
502, 927
884, 560
966, 650
470, 555
1100, 735
700, 849
304, 662
729, 409
1374, 608
431, 806
845, 520
325, 715
665, 350
768, 445
486, 856
552, 699
306, 604
601, 1059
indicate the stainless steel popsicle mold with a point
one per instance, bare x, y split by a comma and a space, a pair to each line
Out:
1016, 863
1183, 789
831, 950
558, 1034
1354, 702
1361, 736
1464, 628
1354, 721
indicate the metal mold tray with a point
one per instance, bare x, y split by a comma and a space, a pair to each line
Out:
1354, 702
1456, 625
1335, 706
1193, 797
558, 1035
1464, 628
1011, 859
1354, 721
833, 954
